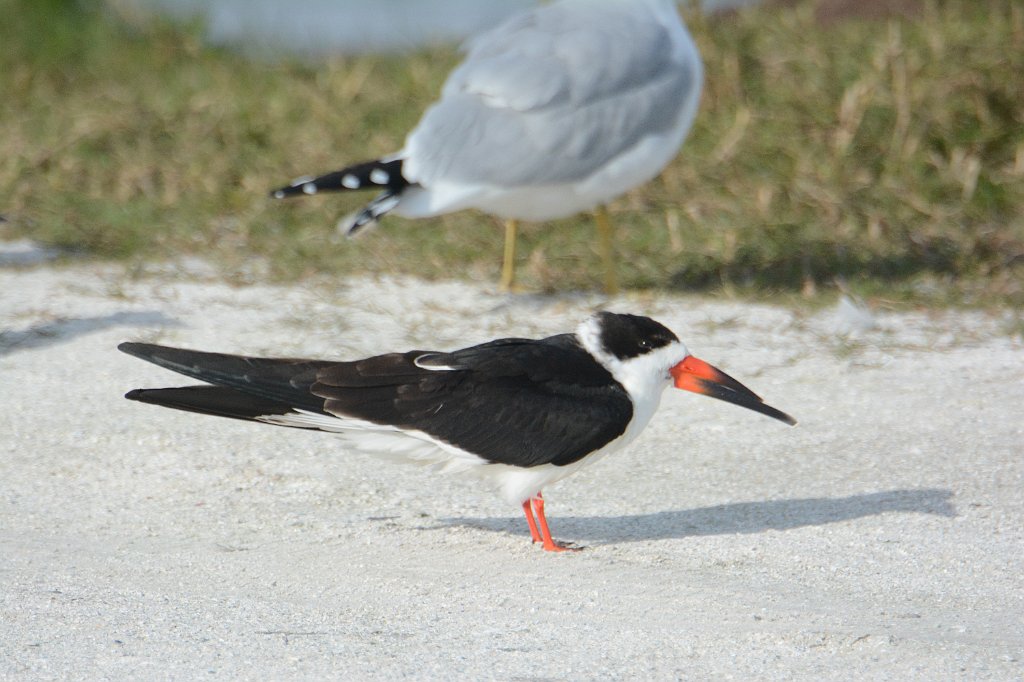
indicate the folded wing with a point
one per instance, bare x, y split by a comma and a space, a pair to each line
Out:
486, 400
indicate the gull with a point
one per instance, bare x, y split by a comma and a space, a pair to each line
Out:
558, 110
520, 413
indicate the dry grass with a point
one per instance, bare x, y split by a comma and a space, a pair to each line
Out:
884, 156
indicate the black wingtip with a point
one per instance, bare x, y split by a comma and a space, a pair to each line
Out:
143, 351
381, 174
144, 395
785, 418
288, 191
307, 185
129, 347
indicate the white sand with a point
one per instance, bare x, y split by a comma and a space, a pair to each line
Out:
882, 538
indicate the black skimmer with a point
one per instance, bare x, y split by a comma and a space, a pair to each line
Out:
558, 110
522, 412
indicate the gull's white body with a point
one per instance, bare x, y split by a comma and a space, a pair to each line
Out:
556, 111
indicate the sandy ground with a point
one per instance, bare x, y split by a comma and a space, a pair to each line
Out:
879, 539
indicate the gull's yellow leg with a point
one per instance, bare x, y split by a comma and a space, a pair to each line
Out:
604, 230
508, 268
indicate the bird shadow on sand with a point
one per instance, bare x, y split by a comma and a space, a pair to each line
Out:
729, 519
63, 330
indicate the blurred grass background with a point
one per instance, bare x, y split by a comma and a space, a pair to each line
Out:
881, 157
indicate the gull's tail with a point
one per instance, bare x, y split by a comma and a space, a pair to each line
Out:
381, 174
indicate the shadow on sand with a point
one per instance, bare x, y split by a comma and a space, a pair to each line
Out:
728, 519
66, 329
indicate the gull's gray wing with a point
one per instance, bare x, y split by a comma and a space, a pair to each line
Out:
554, 94
570, 52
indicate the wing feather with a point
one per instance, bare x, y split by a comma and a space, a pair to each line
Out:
503, 396
512, 401
284, 380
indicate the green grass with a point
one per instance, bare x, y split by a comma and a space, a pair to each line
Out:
885, 158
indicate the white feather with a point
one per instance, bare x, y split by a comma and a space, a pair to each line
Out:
517, 484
